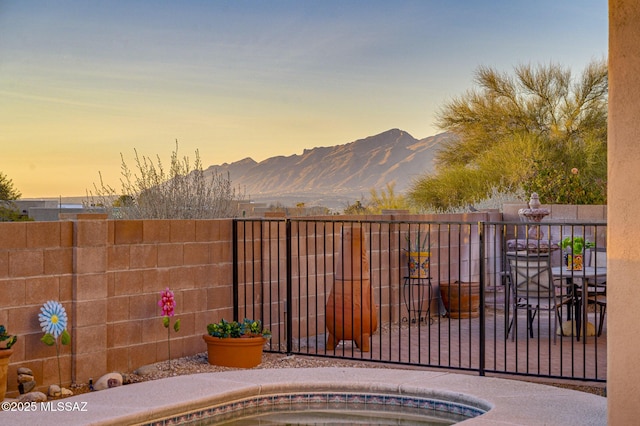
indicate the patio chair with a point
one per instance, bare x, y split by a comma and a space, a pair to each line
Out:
533, 289
597, 290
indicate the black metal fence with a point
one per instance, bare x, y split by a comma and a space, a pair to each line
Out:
435, 294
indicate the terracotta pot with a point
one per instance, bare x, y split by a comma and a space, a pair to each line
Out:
418, 264
241, 352
462, 299
5, 354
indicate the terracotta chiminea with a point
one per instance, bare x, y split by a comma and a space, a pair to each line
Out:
349, 310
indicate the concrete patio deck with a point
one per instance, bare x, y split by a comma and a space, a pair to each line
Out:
454, 343
513, 402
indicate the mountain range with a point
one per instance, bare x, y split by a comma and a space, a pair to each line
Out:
338, 175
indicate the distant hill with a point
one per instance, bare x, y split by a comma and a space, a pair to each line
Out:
337, 175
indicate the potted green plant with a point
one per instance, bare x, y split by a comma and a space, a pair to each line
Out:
418, 255
574, 246
236, 344
6, 341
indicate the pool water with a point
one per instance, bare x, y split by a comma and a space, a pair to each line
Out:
339, 415
318, 408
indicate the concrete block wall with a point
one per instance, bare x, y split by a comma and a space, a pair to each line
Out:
567, 216
560, 212
316, 247
108, 275
449, 254
36, 265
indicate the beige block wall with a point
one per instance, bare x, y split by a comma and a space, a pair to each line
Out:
313, 275
88, 314
36, 265
560, 212
148, 256
108, 275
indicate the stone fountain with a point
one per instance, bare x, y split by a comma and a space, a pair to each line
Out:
534, 214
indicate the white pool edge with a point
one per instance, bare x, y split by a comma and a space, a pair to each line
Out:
511, 401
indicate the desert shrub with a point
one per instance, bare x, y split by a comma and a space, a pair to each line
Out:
184, 191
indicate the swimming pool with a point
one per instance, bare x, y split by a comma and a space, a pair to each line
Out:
321, 408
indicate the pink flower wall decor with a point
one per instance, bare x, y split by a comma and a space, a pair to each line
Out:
167, 302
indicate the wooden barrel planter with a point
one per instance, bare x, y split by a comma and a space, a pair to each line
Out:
462, 299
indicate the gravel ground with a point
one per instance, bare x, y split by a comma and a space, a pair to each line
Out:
198, 364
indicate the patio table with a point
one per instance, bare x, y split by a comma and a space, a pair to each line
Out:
584, 275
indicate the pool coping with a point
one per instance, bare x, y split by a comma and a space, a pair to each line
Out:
293, 401
510, 401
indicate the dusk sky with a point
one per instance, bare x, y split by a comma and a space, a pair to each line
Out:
83, 81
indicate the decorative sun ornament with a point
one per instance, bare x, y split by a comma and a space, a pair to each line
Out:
53, 318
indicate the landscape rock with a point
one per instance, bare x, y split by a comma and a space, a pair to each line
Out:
569, 329
25, 370
55, 391
32, 397
23, 378
26, 387
109, 380
26, 380
66, 392
146, 369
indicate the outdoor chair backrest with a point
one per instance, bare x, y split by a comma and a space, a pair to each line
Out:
531, 275
598, 258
